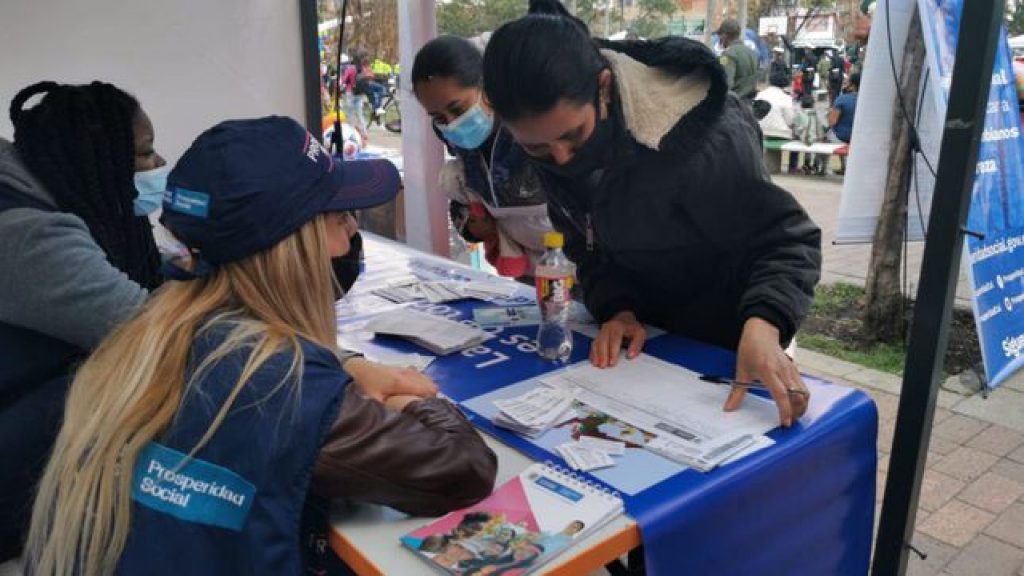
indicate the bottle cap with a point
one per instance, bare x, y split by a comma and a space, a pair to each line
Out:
553, 240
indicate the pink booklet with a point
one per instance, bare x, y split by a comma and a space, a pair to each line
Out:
522, 525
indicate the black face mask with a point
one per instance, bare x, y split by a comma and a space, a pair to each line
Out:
590, 157
346, 268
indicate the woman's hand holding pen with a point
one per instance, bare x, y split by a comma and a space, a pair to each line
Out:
760, 357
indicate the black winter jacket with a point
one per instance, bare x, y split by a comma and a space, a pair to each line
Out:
685, 227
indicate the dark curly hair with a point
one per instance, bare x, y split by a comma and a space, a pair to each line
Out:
79, 142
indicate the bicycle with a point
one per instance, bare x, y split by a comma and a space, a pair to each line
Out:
391, 120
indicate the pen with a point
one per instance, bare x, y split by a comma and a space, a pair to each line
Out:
754, 384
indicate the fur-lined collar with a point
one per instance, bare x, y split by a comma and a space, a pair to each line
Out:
672, 91
654, 100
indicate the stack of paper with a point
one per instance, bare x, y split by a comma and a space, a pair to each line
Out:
400, 292
439, 335
382, 354
534, 412
488, 290
670, 403
589, 453
701, 456
440, 291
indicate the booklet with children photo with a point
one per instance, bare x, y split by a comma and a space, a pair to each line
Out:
521, 526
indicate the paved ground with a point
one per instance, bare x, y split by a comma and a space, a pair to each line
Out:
849, 263
970, 518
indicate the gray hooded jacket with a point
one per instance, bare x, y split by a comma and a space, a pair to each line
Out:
54, 278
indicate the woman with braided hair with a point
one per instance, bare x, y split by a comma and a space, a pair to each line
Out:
77, 258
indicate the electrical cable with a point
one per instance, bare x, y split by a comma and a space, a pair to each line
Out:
336, 137
915, 142
917, 122
920, 214
915, 148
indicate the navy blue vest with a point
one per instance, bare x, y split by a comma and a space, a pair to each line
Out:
35, 370
28, 359
236, 508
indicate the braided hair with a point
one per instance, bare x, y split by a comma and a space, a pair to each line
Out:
79, 142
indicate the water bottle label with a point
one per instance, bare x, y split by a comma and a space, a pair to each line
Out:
555, 290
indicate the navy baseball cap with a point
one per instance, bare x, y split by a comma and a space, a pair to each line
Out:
245, 185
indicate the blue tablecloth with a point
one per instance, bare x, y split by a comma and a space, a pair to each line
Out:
803, 506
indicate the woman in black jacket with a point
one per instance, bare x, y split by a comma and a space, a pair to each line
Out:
653, 172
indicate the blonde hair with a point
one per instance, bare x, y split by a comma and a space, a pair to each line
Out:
129, 391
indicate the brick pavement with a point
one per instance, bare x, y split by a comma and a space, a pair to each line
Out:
970, 518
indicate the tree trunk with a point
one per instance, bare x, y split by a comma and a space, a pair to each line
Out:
884, 319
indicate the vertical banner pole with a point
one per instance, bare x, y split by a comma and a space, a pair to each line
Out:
968, 97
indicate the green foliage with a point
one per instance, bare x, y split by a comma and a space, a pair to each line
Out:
649, 27
653, 14
832, 301
1015, 18
657, 7
829, 299
469, 18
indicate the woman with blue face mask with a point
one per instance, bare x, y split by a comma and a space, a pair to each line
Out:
78, 257
495, 193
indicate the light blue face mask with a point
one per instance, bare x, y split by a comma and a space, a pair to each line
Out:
470, 130
150, 185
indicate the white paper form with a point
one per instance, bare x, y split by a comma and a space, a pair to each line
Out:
362, 343
665, 399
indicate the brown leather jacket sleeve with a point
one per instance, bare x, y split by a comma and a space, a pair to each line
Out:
426, 460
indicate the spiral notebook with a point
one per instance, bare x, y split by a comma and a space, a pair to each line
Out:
521, 526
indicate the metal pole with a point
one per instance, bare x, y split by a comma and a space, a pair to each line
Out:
968, 96
742, 17
311, 65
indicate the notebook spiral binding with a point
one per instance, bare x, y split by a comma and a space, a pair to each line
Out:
578, 481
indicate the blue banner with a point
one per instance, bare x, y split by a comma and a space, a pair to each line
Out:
997, 202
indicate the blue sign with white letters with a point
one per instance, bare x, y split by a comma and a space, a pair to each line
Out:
191, 489
997, 202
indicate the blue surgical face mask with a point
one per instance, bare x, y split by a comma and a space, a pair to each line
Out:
150, 185
470, 130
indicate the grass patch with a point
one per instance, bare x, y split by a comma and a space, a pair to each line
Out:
885, 357
835, 298
833, 327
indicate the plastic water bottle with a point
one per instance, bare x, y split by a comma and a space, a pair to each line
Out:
554, 277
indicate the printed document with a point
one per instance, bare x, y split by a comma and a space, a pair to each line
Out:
673, 404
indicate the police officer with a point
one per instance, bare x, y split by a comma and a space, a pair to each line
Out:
739, 61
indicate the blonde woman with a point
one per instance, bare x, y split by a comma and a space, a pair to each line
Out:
196, 431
